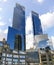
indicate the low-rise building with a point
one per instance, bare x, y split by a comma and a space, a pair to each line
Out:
11, 57
46, 57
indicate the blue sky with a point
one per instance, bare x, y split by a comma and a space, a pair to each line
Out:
45, 9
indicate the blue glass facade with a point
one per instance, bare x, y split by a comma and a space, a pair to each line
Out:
19, 18
18, 26
11, 37
42, 44
36, 24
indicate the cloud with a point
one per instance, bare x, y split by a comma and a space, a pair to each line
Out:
5, 31
10, 20
29, 41
2, 35
0, 0
29, 25
0, 18
40, 1
29, 32
0, 8
2, 23
0, 30
4, 0
47, 20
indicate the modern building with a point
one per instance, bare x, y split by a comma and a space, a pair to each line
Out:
11, 38
18, 27
36, 24
19, 18
11, 57
41, 41
44, 56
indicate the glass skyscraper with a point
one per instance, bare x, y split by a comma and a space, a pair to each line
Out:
18, 28
36, 24
19, 18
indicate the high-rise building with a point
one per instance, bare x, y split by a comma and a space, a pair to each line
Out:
19, 18
18, 27
36, 24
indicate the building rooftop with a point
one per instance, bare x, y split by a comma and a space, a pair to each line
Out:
34, 13
18, 5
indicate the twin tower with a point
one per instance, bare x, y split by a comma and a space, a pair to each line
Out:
16, 33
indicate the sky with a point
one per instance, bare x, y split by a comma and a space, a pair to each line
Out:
45, 9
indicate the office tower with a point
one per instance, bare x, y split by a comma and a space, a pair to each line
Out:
11, 38
18, 42
36, 24
19, 18
18, 26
